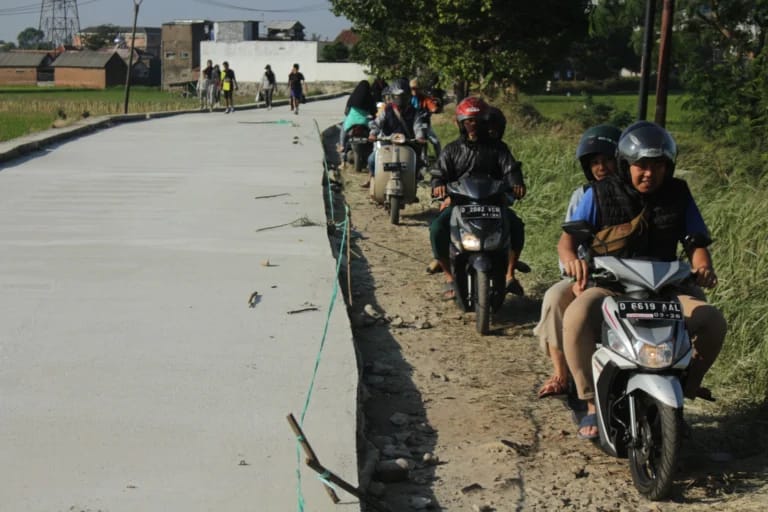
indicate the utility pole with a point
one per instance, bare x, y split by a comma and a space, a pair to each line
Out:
665, 48
645, 68
136, 5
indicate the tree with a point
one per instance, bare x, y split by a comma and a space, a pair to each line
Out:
30, 38
496, 43
4, 47
335, 52
723, 58
103, 36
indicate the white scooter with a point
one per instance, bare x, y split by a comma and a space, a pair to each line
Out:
639, 365
394, 180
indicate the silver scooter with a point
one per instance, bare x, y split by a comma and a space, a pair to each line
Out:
639, 365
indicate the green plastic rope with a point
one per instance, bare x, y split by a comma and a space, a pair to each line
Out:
343, 225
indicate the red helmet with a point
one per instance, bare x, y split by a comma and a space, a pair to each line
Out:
471, 108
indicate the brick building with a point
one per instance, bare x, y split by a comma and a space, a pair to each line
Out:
148, 39
91, 69
25, 67
181, 50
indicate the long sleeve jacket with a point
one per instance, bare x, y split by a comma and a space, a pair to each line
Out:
488, 157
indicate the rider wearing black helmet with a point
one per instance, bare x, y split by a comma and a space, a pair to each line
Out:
644, 186
596, 154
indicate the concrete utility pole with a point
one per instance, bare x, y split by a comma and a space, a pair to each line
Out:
645, 68
665, 48
136, 5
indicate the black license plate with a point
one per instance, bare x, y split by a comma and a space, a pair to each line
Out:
394, 166
480, 211
650, 310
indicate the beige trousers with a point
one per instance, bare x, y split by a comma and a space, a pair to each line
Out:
550, 326
582, 326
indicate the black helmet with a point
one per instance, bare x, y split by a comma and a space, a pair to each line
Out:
645, 139
603, 139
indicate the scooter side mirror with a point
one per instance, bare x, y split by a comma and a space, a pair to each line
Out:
580, 230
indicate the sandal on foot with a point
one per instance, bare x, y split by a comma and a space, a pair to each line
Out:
590, 420
553, 386
449, 293
514, 286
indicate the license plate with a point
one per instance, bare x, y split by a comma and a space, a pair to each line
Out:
650, 310
480, 211
394, 166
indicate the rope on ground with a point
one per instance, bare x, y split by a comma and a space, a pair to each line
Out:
343, 227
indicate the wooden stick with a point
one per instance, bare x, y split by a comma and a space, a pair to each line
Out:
310, 454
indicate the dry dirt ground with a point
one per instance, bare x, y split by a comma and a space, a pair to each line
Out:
461, 408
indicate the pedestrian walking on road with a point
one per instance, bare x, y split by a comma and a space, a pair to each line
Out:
296, 86
216, 85
268, 85
228, 86
205, 86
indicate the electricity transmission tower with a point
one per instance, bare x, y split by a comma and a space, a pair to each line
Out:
59, 20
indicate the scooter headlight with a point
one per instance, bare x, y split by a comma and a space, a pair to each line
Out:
655, 356
470, 242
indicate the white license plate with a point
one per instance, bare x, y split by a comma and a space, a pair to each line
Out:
650, 310
480, 211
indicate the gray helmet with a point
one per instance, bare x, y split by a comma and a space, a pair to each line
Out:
399, 86
603, 139
645, 139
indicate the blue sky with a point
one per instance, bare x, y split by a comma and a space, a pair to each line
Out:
315, 15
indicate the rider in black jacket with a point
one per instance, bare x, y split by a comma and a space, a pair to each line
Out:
476, 152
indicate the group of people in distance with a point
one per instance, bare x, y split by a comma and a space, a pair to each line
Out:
627, 173
216, 82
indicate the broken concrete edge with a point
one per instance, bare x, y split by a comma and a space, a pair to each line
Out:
21, 146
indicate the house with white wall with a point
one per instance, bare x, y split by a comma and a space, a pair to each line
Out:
248, 58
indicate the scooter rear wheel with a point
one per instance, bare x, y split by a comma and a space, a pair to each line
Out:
652, 462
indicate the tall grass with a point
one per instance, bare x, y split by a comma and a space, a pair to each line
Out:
731, 201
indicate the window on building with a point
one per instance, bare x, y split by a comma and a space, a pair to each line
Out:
170, 55
184, 55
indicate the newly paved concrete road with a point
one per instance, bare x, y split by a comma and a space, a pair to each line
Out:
134, 376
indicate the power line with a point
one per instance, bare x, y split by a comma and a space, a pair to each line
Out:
307, 8
32, 8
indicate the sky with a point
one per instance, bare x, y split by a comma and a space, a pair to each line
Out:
315, 15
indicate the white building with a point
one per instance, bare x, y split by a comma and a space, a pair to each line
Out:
248, 58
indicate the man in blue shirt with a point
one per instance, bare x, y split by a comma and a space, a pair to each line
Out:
645, 185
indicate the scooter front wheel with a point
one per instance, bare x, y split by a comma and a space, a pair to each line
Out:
394, 209
652, 461
482, 301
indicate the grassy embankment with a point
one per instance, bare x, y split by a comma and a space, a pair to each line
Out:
25, 110
731, 202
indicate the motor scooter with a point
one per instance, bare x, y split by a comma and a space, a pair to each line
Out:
479, 248
640, 363
358, 146
394, 180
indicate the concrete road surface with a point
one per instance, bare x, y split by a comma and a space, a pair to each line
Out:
134, 375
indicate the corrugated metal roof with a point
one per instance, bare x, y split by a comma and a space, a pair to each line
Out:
83, 59
21, 60
283, 25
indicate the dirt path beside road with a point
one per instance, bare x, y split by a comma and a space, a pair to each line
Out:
462, 408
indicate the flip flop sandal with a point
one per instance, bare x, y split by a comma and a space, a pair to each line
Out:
433, 267
553, 386
590, 420
449, 293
